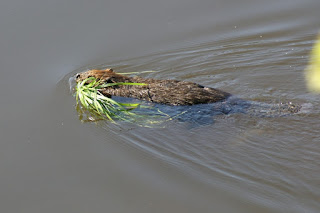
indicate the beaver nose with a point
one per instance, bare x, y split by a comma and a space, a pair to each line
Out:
77, 75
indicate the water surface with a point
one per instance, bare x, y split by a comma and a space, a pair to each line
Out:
51, 162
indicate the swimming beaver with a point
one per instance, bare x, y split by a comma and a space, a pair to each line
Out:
170, 92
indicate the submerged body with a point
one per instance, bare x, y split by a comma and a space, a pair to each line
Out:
170, 92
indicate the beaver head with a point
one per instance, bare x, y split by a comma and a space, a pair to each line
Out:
106, 75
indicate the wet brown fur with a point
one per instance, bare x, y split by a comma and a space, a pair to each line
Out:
171, 92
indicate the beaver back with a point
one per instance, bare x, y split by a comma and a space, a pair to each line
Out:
171, 92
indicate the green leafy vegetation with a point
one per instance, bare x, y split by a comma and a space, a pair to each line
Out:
91, 100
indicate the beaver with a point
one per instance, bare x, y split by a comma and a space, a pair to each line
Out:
169, 92
184, 94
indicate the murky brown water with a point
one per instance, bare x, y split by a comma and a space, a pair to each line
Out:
51, 162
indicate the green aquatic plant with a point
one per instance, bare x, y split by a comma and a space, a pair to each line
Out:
90, 99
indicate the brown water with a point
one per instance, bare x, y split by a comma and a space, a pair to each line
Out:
51, 162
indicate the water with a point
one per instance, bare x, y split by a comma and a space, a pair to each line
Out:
51, 162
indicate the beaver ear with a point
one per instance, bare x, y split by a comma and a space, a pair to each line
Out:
109, 70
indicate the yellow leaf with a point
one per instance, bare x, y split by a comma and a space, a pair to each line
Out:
312, 72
